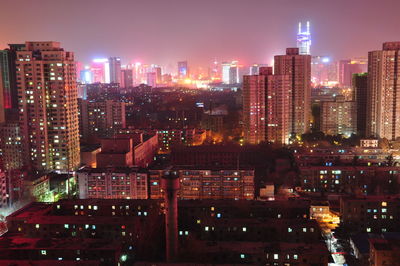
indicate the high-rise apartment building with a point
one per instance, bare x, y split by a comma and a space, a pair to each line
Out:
2, 103
383, 94
359, 84
100, 118
115, 69
266, 101
278, 102
298, 67
8, 82
254, 116
339, 117
48, 109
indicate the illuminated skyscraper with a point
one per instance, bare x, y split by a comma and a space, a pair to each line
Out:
298, 67
48, 110
115, 69
226, 72
183, 71
304, 40
98, 69
383, 93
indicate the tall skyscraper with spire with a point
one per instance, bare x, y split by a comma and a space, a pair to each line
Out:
48, 107
304, 39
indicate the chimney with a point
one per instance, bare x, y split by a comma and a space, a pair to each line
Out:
170, 184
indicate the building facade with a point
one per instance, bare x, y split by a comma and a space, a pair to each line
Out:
339, 117
298, 67
360, 95
100, 118
196, 183
48, 109
383, 94
112, 183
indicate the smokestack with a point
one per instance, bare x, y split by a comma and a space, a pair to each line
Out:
170, 183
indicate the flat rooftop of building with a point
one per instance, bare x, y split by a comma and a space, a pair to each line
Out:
90, 148
125, 170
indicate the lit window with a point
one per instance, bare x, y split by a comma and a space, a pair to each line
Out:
368, 229
66, 226
384, 203
304, 229
206, 228
43, 252
37, 226
242, 256
244, 229
295, 256
290, 230
276, 256
384, 210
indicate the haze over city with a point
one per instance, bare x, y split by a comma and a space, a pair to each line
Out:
163, 32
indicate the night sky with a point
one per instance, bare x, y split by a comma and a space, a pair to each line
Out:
165, 31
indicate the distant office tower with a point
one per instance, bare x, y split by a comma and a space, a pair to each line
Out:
338, 117
323, 71
183, 70
127, 78
115, 69
383, 94
215, 72
359, 83
298, 67
48, 109
8, 81
100, 118
254, 69
304, 40
158, 72
85, 76
234, 74
98, 69
226, 70
349, 67
151, 79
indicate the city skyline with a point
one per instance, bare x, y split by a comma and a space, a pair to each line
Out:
164, 33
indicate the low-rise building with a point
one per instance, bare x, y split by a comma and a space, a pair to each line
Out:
208, 183
112, 183
371, 214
